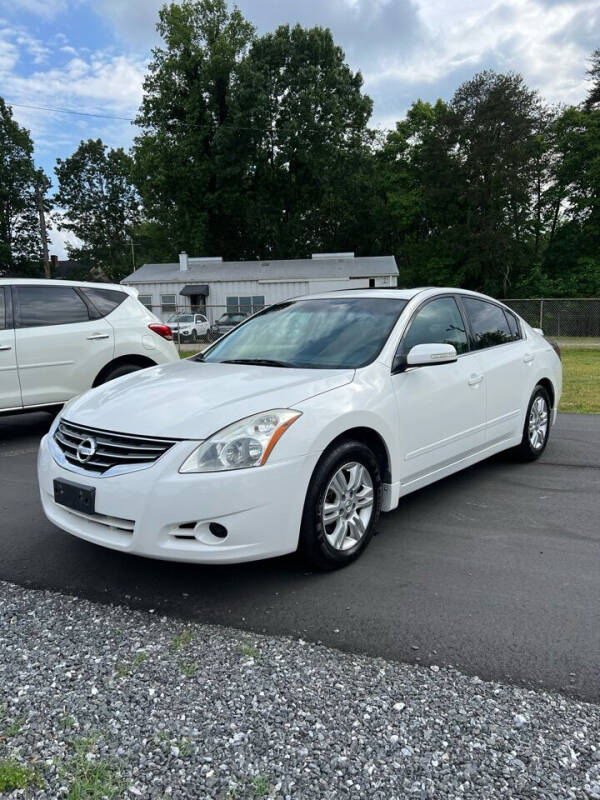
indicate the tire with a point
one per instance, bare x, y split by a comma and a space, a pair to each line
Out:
343, 476
118, 372
194, 336
536, 430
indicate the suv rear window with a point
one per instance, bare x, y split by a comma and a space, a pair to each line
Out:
2, 310
49, 305
488, 323
104, 300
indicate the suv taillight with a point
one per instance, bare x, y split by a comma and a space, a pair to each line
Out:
162, 330
556, 348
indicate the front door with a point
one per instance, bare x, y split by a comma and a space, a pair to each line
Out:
10, 391
60, 350
441, 408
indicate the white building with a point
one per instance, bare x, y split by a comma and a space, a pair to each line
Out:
213, 286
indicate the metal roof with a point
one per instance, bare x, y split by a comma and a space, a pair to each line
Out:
290, 270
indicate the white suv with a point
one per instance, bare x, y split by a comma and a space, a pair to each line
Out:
60, 338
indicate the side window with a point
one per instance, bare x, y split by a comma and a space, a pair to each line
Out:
513, 325
439, 321
49, 305
488, 323
104, 300
167, 303
2, 310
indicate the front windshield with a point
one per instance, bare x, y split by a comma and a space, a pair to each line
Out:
181, 318
331, 333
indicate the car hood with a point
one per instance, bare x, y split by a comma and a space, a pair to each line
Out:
193, 399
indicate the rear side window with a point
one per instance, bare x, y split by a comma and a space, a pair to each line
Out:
488, 323
49, 305
513, 325
2, 310
104, 300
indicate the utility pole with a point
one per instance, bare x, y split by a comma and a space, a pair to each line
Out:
42, 185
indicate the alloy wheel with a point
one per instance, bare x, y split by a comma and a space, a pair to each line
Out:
348, 506
538, 423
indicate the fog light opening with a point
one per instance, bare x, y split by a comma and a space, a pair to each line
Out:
218, 530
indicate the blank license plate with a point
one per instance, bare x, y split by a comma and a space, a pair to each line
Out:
75, 496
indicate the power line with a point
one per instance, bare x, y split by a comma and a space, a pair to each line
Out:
69, 111
131, 119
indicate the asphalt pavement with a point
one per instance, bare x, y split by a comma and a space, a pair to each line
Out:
495, 570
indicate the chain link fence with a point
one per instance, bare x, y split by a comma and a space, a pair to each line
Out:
561, 317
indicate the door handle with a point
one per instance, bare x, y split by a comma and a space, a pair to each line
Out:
528, 358
99, 336
6, 347
475, 380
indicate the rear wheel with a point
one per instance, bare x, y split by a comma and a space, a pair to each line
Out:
537, 426
342, 506
118, 372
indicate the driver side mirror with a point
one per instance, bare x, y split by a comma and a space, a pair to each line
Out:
425, 355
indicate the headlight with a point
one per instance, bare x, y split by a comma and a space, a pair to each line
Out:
247, 443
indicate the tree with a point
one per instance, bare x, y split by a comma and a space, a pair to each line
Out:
99, 205
592, 101
20, 243
184, 172
572, 260
300, 117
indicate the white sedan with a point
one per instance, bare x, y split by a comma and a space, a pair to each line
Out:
298, 428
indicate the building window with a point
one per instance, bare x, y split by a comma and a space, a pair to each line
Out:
245, 305
146, 300
167, 303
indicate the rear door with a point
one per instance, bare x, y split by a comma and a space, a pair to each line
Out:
441, 408
61, 347
505, 364
10, 391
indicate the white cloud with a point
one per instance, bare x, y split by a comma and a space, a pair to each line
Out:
42, 8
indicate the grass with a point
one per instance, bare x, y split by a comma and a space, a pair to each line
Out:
97, 779
182, 640
581, 380
248, 650
14, 775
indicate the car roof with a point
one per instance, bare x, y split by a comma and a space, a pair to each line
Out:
400, 294
50, 282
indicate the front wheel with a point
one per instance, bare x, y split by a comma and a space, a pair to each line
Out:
342, 506
536, 430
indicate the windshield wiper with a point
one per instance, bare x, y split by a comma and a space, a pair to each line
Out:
259, 362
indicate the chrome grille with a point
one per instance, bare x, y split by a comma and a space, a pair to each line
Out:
111, 449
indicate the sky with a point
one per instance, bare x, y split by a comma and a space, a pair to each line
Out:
90, 56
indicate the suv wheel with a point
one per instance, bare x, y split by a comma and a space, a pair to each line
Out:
118, 372
342, 506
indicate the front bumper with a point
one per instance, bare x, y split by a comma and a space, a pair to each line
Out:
143, 512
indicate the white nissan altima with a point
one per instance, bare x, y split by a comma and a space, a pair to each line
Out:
299, 427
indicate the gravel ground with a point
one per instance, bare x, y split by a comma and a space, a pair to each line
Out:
106, 702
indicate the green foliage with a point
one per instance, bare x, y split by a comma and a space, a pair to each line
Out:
183, 168
15, 775
100, 206
300, 119
90, 777
20, 242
